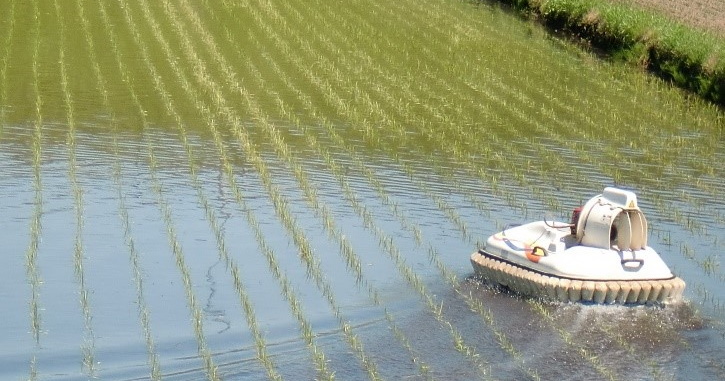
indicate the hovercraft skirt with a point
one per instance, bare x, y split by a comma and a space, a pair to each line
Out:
535, 284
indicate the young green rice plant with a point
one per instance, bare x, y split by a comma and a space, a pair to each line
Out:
31, 253
153, 360
87, 348
197, 314
5, 63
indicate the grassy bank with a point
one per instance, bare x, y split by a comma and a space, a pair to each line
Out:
689, 58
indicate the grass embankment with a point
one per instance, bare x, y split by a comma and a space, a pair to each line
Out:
689, 58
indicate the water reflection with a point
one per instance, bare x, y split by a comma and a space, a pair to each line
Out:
555, 340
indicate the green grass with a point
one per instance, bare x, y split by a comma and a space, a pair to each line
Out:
689, 58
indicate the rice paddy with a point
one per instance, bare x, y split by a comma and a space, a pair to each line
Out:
292, 189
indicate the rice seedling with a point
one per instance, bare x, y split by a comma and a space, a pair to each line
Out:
8, 44
33, 369
31, 253
87, 348
195, 310
134, 257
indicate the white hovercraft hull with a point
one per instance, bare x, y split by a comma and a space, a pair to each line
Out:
543, 259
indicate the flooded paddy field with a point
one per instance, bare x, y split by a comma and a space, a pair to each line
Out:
292, 189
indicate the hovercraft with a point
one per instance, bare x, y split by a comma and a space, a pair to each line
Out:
601, 256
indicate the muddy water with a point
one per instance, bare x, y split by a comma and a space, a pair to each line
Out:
249, 202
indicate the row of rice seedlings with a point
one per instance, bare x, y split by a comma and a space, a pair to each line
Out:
387, 243
288, 291
196, 312
502, 341
240, 288
165, 209
88, 346
8, 44
134, 258
307, 254
31, 253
